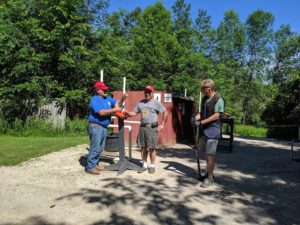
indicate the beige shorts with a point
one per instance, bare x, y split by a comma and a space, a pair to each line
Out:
147, 137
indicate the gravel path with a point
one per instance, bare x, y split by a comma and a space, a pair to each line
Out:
256, 184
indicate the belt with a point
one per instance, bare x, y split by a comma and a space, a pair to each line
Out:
152, 125
96, 124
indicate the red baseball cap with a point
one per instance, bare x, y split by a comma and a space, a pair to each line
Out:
100, 85
149, 88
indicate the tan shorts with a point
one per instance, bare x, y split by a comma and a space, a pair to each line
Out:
147, 137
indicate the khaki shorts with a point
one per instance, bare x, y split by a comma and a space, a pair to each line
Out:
147, 137
208, 145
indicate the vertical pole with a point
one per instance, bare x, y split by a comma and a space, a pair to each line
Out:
121, 140
124, 85
101, 75
129, 144
200, 99
185, 92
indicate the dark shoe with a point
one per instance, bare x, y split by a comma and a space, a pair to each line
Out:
208, 182
142, 170
93, 171
202, 178
151, 170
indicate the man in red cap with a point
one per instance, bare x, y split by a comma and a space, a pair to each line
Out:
148, 133
101, 107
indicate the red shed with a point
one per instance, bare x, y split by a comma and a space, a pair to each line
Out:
179, 109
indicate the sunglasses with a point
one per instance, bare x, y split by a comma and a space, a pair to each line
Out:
147, 92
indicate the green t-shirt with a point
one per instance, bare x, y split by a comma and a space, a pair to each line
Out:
219, 107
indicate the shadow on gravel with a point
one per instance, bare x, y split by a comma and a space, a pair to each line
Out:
267, 187
269, 184
156, 199
34, 221
258, 184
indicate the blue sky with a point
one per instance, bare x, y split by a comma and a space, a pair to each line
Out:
284, 11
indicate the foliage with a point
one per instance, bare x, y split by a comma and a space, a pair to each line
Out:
36, 127
76, 126
250, 131
56, 49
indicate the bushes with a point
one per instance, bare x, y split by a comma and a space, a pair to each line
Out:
39, 127
246, 130
285, 132
78, 127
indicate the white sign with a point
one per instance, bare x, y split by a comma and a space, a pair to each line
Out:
157, 96
168, 97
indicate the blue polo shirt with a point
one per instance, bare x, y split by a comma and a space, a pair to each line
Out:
96, 104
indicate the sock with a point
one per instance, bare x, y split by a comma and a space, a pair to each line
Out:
152, 165
145, 164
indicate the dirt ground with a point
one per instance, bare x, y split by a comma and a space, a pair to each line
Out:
256, 184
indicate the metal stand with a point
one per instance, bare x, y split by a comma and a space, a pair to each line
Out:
225, 143
123, 164
293, 143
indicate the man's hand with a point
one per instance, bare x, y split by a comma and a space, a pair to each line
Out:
197, 116
123, 98
160, 127
129, 114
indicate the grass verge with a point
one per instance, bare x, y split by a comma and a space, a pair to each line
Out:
250, 131
15, 150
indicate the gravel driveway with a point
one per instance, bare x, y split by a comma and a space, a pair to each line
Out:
256, 184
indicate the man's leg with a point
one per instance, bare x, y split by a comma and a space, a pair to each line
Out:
97, 134
211, 147
152, 153
142, 144
152, 156
210, 161
144, 155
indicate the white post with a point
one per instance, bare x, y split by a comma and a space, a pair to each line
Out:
185, 92
124, 85
124, 90
101, 75
200, 99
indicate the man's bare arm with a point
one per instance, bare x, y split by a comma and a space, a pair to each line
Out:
211, 119
105, 112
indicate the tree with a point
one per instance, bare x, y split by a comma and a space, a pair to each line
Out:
258, 51
50, 54
205, 35
114, 45
182, 24
155, 49
284, 108
229, 56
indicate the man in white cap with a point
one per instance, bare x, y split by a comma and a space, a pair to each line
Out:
148, 133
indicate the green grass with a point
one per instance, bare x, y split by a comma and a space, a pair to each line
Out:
14, 150
250, 131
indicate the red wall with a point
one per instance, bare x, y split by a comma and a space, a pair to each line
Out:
165, 137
